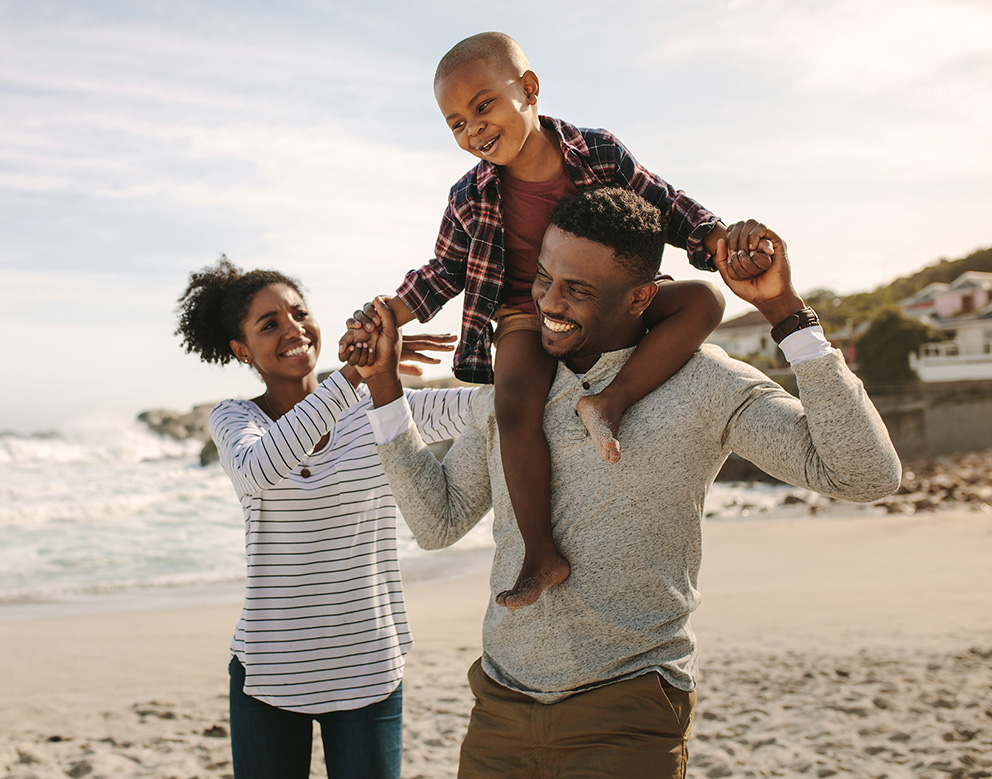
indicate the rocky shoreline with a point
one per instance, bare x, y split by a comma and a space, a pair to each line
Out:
952, 481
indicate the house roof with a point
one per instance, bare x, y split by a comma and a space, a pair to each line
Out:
972, 279
750, 319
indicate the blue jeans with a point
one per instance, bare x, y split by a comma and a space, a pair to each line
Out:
272, 743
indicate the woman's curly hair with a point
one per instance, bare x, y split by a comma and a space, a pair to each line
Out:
213, 308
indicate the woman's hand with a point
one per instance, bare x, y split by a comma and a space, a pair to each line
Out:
414, 347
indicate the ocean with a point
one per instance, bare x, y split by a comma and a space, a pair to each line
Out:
114, 513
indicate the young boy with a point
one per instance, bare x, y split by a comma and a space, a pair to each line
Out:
488, 246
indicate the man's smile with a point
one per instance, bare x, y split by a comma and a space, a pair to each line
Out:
558, 327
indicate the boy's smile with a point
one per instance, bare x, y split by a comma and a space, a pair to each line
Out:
492, 113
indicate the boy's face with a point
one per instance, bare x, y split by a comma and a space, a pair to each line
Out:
490, 110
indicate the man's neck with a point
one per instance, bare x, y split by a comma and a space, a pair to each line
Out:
583, 363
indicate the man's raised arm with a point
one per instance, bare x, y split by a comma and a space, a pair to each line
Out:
440, 503
832, 440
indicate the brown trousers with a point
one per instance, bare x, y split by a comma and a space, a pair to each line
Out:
633, 728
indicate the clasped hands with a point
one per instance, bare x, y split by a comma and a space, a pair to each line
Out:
372, 334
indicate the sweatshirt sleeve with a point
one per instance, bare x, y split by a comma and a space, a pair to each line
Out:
831, 439
257, 459
440, 502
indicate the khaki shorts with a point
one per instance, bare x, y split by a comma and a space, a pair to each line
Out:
632, 728
509, 319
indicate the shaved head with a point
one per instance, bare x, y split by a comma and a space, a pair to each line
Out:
494, 47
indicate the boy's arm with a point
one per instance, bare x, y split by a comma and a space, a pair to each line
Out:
425, 291
688, 221
690, 226
680, 317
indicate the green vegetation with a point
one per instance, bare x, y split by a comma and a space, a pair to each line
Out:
849, 311
884, 349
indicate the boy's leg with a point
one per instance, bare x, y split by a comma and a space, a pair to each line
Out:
266, 742
680, 317
523, 378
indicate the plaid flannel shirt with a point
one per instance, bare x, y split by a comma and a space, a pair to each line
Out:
469, 250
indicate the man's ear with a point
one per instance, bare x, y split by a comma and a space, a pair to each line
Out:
641, 297
531, 86
240, 351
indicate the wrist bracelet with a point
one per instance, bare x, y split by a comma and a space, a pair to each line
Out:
800, 320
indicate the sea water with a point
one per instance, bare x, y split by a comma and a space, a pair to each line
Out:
115, 508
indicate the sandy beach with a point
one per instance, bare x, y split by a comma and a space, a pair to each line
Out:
849, 645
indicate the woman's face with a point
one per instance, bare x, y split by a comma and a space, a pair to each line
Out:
281, 339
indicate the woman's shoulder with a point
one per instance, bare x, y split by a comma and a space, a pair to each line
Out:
233, 409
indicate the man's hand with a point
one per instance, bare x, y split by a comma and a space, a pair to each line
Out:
381, 369
357, 346
771, 292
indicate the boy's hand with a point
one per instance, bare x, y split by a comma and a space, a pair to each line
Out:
771, 292
750, 259
357, 345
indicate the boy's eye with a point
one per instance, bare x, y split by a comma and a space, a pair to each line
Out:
457, 126
484, 106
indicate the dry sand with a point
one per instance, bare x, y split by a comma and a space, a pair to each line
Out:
843, 646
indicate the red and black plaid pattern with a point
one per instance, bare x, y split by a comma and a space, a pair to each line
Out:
468, 255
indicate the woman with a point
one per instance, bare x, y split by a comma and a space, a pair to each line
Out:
323, 633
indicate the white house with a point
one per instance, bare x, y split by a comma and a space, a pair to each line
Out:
745, 336
963, 310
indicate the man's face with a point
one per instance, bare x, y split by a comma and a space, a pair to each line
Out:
584, 299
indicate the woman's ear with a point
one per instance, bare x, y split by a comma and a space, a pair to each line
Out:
241, 352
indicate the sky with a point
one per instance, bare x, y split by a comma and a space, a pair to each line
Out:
139, 140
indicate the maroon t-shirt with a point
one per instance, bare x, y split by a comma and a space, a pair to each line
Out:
526, 207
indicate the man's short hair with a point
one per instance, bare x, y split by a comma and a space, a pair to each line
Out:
493, 47
620, 220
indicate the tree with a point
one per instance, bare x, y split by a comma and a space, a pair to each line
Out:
884, 349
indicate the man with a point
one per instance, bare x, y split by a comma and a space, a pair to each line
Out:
597, 677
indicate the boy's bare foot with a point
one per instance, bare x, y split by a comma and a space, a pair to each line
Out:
537, 574
603, 423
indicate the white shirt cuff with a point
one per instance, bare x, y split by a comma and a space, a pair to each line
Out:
805, 345
390, 420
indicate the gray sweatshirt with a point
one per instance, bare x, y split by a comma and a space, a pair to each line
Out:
631, 531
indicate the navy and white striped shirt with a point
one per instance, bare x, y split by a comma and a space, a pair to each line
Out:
324, 625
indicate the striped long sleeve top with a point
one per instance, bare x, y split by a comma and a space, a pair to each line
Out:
324, 625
